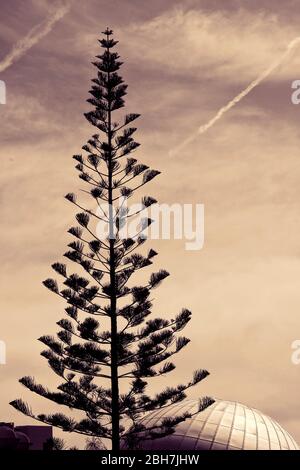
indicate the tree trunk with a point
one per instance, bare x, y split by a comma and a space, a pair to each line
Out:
113, 302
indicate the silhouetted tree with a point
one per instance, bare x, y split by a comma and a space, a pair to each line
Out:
55, 443
81, 353
94, 443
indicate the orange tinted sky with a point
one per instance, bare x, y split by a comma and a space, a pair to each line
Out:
183, 61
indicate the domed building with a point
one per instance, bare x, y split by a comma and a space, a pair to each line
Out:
7, 437
225, 425
24, 437
23, 441
11, 439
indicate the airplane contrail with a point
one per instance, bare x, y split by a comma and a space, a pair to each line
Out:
34, 36
202, 129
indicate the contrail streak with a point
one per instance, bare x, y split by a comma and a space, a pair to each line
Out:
34, 36
202, 129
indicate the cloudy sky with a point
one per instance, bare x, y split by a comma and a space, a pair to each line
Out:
183, 61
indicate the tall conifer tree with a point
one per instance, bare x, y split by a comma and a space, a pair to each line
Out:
133, 346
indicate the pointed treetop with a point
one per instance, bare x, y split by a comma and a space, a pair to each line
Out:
106, 42
108, 32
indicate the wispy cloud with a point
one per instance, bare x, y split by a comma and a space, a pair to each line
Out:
231, 46
34, 36
205, 127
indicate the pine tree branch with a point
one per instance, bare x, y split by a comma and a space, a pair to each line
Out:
126, 352
89, 193
88, 211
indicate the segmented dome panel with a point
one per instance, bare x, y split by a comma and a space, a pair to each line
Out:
225, 425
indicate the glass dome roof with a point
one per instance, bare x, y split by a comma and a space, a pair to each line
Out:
225, 425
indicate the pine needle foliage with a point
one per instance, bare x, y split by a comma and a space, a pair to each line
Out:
92, 362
